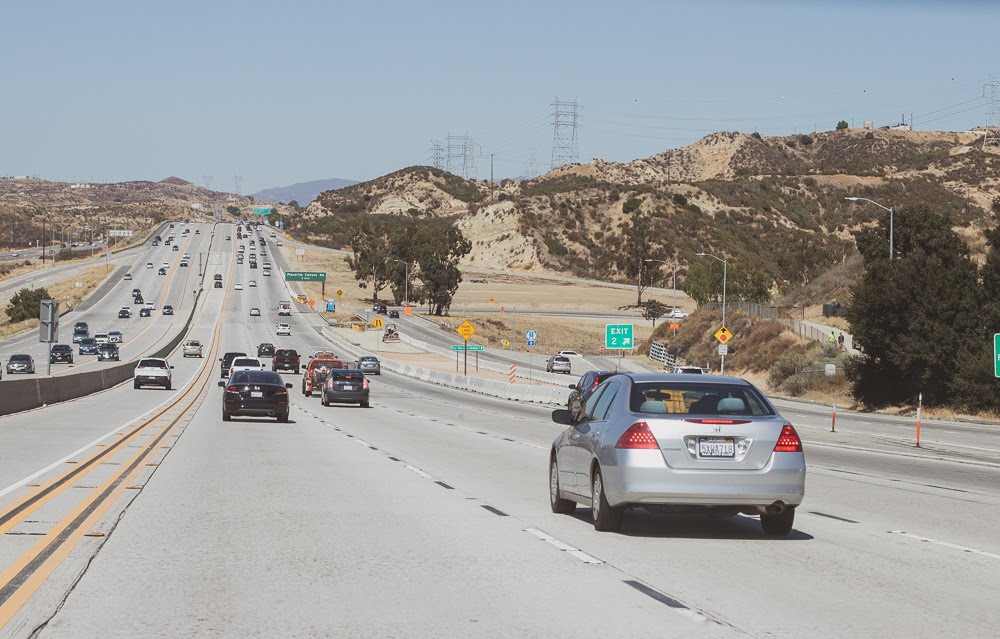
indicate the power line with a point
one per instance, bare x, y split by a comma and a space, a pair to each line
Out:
207, 181
565, 120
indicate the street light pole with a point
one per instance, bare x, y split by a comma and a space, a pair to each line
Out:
891, 211
725, 268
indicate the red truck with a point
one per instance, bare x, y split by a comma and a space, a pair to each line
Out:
315, 373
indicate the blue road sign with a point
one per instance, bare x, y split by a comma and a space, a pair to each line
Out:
531, 335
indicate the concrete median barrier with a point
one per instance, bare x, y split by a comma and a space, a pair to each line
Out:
18, 395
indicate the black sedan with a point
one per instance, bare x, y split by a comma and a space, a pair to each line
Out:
61, 353
124, 313
255, 393
345, 385
145, 312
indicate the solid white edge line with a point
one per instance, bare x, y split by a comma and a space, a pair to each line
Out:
538, 533
584, 557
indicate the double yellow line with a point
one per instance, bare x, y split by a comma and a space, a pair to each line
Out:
20, 580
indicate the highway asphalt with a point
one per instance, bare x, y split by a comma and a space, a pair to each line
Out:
427, 516
141, 334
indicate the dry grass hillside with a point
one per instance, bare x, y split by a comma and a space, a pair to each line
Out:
778, 199
25, 203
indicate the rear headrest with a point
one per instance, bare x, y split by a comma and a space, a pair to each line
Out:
652, 407
731, 405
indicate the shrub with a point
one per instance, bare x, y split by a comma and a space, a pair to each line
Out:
842, 125
631, 205
25, 304
681, 200
805, 140
795, 385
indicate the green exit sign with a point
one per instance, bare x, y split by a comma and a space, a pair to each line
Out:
470, 347
305, 276
618, 336
996, 354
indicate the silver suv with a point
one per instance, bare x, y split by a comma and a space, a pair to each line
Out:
152, 371
558, 364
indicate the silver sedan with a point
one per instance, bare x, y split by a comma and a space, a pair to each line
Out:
678, 443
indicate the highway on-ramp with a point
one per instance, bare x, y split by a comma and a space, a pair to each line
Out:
427, 515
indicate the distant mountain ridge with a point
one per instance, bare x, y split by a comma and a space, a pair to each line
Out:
302, 192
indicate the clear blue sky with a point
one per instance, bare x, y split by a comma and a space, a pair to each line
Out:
283, 92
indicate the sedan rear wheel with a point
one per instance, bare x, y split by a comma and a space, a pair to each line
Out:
559, 505
780, 524
226, 416
606, 517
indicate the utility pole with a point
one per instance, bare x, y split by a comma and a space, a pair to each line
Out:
492, 183
43, 241
992, 134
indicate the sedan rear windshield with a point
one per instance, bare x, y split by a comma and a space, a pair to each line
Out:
256, 377
152, 363
686, 398
283, 352
346, 373
561, 359
20, 358
243, 361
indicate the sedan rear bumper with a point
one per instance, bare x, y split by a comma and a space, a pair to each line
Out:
782, 479
346, 396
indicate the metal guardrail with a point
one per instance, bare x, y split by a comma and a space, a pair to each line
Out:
658, 353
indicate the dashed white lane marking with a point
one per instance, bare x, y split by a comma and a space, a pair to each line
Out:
418, 471
563, 546
362, 442
946, 544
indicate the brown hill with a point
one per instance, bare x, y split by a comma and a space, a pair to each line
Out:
25, 203
778, 199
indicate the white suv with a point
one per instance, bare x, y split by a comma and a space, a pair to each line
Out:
283, 329
192, 348
152, 371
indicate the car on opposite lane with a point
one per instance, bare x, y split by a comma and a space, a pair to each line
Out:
168, 309
254, 312
61, 353
124, 313
145, 312
679, 443
255, 393
87, 346
558, 364
238, 287
107, 352
345, 385
21, 363
152, 371
115, 337
192, 348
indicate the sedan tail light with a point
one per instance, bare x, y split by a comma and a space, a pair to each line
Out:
280, 396
232, 388
788, 441
366, 384
638, 435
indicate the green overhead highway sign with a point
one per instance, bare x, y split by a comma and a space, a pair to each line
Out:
305, 276
618, 336
263, 210
996, 354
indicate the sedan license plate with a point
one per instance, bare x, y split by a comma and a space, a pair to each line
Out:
256, 394
348, 387
716, 447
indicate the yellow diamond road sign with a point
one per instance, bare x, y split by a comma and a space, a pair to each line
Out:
723, 335
339, 292
466, 329
378, 323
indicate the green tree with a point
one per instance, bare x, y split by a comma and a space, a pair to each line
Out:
632, 247
653, 310
25, 304
631, 205
842, 125
974, 386
913, 315
747, 280
438, 246
703, 282
371, 245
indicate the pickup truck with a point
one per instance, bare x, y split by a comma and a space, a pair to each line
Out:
285, 307
315, 373
193, 348
286, 359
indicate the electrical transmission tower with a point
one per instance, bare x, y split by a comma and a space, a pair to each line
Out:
237, 183
565, 120
531, 168
992, 91
207, 181
460, 153
437, 154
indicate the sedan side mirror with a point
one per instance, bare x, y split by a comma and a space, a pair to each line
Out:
573, 386
288, 385
222, 384
304, 367
171, 366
